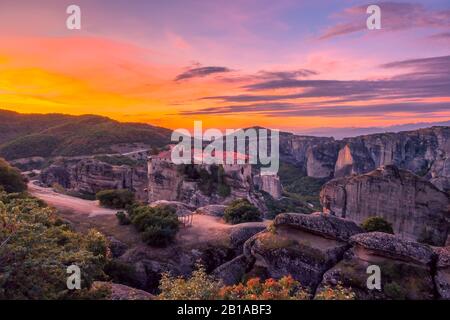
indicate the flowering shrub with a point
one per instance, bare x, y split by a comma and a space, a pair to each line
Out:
338, 292
284, 289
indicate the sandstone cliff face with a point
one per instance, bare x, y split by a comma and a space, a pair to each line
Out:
88, 176
425, 152
315, 155
416, 209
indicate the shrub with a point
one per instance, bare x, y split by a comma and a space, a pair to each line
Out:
240, 211
11, 179
123, 218
200, 286
37, 248
284, 289
120, 272
338, 292
159, 225
372, 224
116, 199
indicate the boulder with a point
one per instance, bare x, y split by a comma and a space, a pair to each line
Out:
117, 247
244, 231
416, 209
390, 246
304, 246
232, 271
442, 276
324, 225
216, 210
406, 268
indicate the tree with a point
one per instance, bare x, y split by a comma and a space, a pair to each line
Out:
240, 211
115, 199
11, 179
372, 224
38, 248
159, 225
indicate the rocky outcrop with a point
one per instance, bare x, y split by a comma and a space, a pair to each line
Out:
323, 251
304, 246
406, 268
244, 231
270, 184
89, 176
318, 223
416, 209
116, 247
121, 292
231, 272
442, 277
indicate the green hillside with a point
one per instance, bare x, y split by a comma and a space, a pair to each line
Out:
23, 135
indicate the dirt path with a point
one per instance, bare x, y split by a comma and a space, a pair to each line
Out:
64, 202
86, 214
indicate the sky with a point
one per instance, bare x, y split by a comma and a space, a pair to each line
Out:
285, 64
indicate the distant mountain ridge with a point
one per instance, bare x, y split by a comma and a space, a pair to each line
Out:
27, 135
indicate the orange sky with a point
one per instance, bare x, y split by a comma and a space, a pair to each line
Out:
134, 80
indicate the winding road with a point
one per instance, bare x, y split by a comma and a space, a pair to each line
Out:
65, 202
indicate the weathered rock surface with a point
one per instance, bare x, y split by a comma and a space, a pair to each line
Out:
442, 277
425, 152
232, 271
89, 176
406, 268
117, 247
321, 224
244, 231
304, 246
416, 209
122, 292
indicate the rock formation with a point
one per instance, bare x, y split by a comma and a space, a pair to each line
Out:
425, 152
88, 176
322, 251
416, 209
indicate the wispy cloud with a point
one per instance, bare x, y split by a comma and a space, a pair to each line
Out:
395, 16
201, 72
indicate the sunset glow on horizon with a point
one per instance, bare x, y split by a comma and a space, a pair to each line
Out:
285, 64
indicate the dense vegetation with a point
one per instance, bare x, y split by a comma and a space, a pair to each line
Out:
240, 211
64, 135
201, 286
36, 248
159, 225
288, 203
10, 178
372, 224
117, 160
115, 198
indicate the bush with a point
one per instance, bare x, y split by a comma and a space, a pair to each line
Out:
337, 292
240, 211
159, 225
115, 199
11, 179
284, 289
123, 218
123, 273
200, 286
38, 248
377, 224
